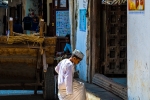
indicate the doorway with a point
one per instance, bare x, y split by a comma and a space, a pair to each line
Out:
59, 11
112, 69
114, 40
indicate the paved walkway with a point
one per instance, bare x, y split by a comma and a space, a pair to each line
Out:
97, 93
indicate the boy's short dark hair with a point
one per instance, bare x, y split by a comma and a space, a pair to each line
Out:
68, 36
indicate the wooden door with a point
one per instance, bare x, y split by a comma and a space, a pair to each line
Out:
52, 25
51, 29
114, 40
45, 10
19, 13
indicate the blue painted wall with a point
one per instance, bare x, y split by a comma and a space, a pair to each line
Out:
81, 42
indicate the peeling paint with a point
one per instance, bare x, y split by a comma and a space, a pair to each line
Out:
138, 55
137, 80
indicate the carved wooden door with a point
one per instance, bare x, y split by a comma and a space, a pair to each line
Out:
114, 40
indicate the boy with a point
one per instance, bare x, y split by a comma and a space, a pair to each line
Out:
70, 89
67, 48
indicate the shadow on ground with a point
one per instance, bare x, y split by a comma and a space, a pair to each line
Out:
21, 95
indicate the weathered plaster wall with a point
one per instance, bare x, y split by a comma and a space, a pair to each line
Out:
81, 41
26, 4
73, 21
138, 55
33, 4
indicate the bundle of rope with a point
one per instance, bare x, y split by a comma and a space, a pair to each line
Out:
114, 2
23, 38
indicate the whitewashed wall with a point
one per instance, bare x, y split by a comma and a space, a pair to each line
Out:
138, 40
81, 42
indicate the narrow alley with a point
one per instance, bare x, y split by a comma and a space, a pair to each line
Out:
103, 43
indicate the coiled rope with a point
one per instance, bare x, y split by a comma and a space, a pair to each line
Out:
114, 2
23, 38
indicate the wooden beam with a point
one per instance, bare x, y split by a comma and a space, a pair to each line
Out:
41, 27
95, 35
110, 85
11, 26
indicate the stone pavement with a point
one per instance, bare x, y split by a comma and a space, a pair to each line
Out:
95, 92
100, 93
